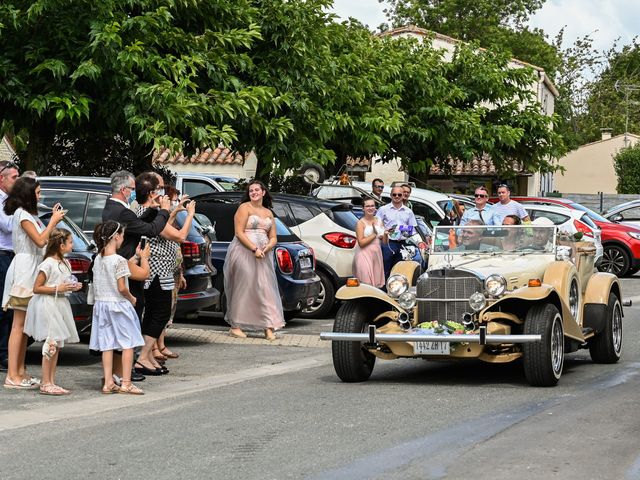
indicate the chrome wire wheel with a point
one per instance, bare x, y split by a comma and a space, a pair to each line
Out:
574, 299
557, 346
616, 328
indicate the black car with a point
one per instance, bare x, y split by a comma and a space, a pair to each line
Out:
294, 261
79, 259
85, 198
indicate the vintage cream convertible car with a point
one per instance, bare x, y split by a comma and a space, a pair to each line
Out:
493, 293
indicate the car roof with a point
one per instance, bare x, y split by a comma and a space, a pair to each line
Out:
421, 193
621, 206
284, 197
555, 209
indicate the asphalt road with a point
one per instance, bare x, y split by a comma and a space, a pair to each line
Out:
250, 409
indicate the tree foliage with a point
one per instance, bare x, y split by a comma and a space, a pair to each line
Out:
149, 73
494, 24
473, 105
627, 167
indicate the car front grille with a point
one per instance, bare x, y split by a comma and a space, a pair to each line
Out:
445, 297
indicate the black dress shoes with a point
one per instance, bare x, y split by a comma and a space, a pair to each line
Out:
139, 368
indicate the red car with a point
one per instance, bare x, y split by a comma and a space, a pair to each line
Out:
621, 242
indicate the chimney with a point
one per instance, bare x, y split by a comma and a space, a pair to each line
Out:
606, 133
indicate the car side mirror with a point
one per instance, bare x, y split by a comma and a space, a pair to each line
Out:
617, 218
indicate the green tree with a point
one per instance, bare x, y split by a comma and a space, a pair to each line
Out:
142, 74
495, 24
333, 82
627, 166
471, 106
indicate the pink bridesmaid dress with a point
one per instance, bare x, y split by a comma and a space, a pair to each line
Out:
368, 266
250, 283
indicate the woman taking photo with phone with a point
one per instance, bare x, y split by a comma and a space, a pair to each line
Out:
158, 289
29, 239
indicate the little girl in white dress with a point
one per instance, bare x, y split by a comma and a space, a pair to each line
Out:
49, 316
115, 324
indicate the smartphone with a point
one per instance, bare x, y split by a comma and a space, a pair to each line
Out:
143, 242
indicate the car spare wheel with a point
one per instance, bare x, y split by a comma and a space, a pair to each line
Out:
312, 172
351, 361
606, 346
543, 361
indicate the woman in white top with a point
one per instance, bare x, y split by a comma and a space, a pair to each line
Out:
29, 239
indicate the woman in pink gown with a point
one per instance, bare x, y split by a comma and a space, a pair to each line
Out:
250, 283
368, 266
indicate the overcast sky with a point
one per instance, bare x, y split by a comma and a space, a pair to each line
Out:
604, 19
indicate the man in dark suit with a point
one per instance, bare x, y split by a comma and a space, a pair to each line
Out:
123, 185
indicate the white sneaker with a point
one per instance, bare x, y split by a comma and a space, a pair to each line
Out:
117, 380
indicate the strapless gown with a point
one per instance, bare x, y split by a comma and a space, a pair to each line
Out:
368, 266
250, 283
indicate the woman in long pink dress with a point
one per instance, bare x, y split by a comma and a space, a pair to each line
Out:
368, 266
250, 283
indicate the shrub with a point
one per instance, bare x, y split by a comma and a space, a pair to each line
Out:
627, 166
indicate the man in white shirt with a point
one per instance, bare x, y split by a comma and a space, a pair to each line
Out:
397, 220
506, 206
8, 176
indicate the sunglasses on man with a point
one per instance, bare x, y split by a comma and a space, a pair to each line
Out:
8, 165
480, 195
397, 194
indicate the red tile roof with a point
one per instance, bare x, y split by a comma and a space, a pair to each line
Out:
217, 156
478, 166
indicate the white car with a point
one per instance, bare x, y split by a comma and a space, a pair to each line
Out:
569, 221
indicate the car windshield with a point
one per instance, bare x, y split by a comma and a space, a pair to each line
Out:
476, 239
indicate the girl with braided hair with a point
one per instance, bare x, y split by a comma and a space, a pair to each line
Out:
115, 324
49, 316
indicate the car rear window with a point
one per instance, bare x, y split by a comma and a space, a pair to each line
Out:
221, 215
593, 215
344, 218
80, 241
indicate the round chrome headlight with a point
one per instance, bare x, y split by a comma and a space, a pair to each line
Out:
407, 300
495, 285
397, 284
477, 301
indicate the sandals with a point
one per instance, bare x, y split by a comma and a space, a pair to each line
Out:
269, 335
111, 390
237, 334
52, 389
159, 356
24, 384
168, 353
131, 389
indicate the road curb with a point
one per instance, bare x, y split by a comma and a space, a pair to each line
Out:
214, 336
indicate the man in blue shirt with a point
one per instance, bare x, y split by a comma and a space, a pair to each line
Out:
399, 222
8, 176
481, 211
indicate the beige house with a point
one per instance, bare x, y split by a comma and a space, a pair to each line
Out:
7, 152
589, 168
481, 170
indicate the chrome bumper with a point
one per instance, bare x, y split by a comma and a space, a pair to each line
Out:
372, 337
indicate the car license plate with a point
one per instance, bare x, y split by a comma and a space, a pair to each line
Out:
305, 262
431, 348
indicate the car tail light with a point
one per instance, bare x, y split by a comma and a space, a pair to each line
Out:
583, 227
79, 265
285, 261
340, 240
190, 250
